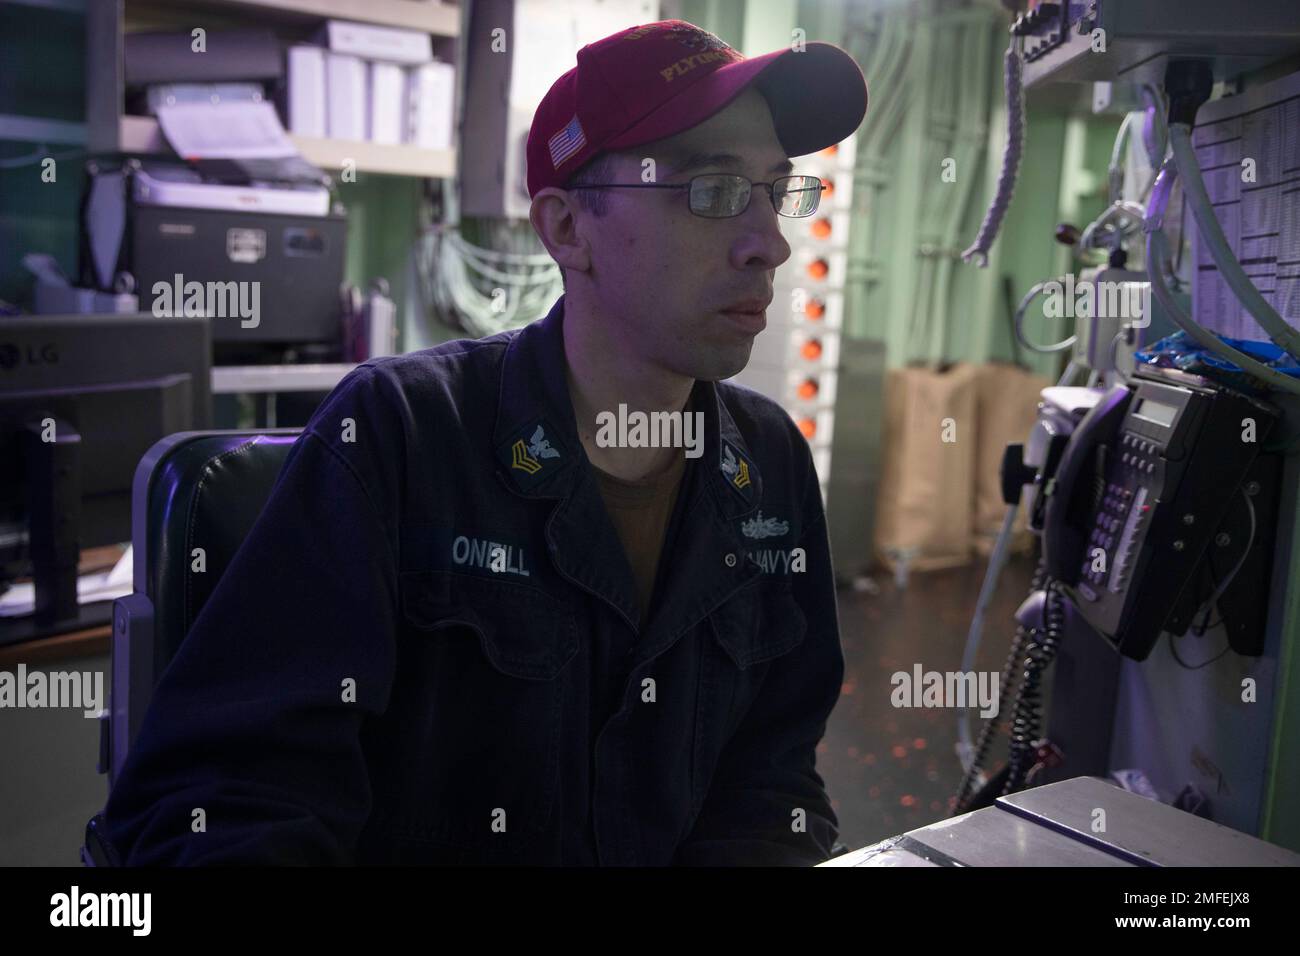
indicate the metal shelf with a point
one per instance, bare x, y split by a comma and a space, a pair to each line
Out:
63, 6
141, 135
36, 129
238, 379
432, 16
391, 160
110, 130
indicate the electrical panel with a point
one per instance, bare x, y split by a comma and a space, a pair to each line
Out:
1248, 148
1076, 41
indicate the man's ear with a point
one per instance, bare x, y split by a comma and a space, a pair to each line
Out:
554, 218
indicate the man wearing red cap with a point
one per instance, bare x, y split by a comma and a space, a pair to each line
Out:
555, 648
644, 162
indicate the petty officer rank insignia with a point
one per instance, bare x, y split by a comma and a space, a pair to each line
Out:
533, 453
735, 468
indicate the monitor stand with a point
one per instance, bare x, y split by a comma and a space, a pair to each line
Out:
52, 461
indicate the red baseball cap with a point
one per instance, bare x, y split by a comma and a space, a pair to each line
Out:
653, 81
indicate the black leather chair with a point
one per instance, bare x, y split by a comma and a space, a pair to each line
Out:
191, 490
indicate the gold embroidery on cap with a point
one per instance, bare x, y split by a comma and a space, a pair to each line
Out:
686, 64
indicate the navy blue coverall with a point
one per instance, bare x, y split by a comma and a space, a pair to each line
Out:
426, 651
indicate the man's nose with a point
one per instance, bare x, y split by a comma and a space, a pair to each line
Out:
760, 243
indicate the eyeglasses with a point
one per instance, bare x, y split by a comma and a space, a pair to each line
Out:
723, 195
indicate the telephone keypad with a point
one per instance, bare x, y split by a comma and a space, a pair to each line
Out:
1142, 455
1110, 518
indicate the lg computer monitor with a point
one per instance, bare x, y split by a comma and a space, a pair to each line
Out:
82, 398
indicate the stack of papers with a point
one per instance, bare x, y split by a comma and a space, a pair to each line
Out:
20, 599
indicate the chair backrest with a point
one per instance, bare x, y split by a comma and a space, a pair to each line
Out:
192, 490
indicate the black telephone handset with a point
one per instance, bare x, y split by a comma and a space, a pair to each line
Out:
1071, 493
1145, 516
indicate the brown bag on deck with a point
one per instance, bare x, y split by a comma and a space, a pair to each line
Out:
926, 502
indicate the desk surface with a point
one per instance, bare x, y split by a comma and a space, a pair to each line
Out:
82, 642
1084, 821
95, 640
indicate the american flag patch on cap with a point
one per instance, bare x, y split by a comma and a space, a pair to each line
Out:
566, 142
